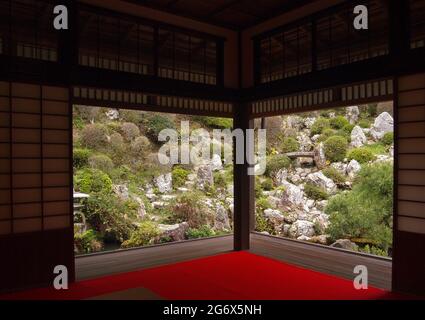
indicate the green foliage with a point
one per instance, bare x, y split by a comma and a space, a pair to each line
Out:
101, 162
348, 128
87, 242
179, 175
80, 157
262, 224
110, 216
275, 163
327, 133
289, 144
92, 181
364, 123
189, 207
374, 250
94, 136
314, 192
140, 147
214, 122
130, 131
267, 184
366, 211
338, 122
362, 155
144, 235
155, 124
335, 148
334, 175
132, 116
201, 232
372, 109
376, 148
319, 126
388, 139
262, 204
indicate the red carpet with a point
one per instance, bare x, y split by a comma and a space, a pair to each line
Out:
231, 276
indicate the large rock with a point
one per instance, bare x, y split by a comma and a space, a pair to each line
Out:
305, 142
383, 123
221, 222
141, 210
216, 163
358, 138
352, 114
175, 232
113, 114
291, 194
121, 191
344, 244
205, 177
301, 228
274, 216
353, 168
320, 180
164, 183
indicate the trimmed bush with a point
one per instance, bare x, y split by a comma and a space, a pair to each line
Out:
263, 225
87, 242
201, 232
334, 175
335, 148
319, 125
179, 176
145, 234
348, 128
388, 138
92, 181
267, 184
101, 162
117, 141
314, 192
275, 163
130, 131
94, 136
189, 207
364, 123
289, 144
140, 147
80, 158
338, 122
362, 155
214, 122
262, 204
155, 124
327, 133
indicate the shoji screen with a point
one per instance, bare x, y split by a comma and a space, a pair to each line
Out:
35, 176
409, 259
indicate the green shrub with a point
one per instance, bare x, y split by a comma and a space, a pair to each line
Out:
179, 175
87, 242
189, 207
155, 124
335, 148
388, 138
334, 174
289, 144
80, 158
364, 123
112, 217
214, 122
140, 147
327, 133
275, 163
314, 192
201, 232
262, 204
92, 181
348, 128
133, 116
94, 136
263, 225
365, 212
374, 250
319, 125
267, 184
145, 234
362, 155
101, 162
338, 122
117, 142
130, 131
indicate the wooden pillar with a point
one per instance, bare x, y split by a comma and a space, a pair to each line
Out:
244, 201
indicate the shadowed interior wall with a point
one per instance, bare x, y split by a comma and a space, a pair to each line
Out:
35, 183
409, 255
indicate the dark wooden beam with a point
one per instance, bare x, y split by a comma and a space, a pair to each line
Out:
244, 196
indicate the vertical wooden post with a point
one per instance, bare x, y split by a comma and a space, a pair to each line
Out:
244, 201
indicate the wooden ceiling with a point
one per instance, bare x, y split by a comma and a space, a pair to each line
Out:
232, 14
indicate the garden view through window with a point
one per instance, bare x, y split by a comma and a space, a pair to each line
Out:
124, 197
329, 178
